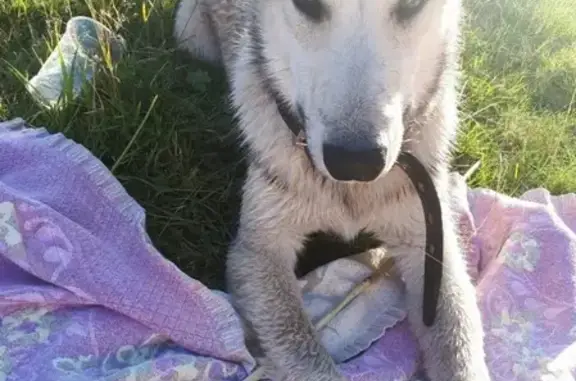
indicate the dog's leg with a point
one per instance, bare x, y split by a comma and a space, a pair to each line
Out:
193, 31
263, 285
260, 277
452, 347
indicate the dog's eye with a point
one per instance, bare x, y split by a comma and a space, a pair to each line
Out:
315, 10
407, 9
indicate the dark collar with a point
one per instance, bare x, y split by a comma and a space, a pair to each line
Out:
294, 123
424, 185
433, 266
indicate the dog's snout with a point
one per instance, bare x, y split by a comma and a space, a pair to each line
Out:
357, 162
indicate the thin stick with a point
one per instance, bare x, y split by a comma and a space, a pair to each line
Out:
359, 289
133, 139
471, 170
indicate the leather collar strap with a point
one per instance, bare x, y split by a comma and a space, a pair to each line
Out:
417, 173
433, 266
292, 121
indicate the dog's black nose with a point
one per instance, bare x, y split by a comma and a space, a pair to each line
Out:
354, 163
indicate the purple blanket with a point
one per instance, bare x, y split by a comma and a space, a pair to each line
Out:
85, 296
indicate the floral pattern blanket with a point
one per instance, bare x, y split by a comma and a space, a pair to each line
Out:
84, 295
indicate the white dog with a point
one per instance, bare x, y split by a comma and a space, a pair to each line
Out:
328, 94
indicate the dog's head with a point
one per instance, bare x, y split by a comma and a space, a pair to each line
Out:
350, 70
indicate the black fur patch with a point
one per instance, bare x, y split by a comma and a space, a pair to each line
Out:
322, 248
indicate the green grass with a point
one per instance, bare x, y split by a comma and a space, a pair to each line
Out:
519, 110
518, 113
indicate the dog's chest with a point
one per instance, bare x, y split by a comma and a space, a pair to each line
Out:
348, 230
